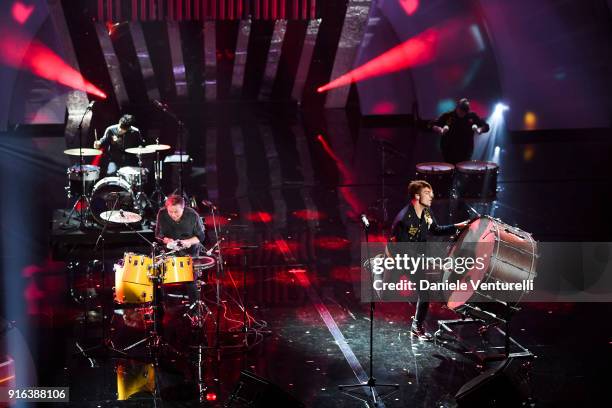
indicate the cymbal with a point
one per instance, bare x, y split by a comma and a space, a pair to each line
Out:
120, 217
158, 147
139, 150
84, 151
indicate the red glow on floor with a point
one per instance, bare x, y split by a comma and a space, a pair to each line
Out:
332, 243
21, 12
418, 50
309, 215
39, 59
260, 216
377, 238
409, 6
347, 274
281, 246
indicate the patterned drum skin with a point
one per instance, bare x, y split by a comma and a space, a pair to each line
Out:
439, 175
510, 256
476, 179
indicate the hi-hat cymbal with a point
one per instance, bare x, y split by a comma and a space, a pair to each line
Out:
159, 147
139, 150
84, 151
120, 217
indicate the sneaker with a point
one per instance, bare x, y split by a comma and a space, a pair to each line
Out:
420, 333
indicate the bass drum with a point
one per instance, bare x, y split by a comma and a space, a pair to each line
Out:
509, 255
439, 175
106, 193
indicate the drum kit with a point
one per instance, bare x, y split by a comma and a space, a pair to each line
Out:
469, 179
116, 199
139, 278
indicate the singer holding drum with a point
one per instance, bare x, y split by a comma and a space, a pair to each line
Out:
412, 224
457, 128
179, 227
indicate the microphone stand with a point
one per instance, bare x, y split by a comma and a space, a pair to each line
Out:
164, 108
370, 384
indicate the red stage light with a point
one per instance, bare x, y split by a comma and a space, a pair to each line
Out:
416, 51
211, 396
409, 6
21, 12
39, 59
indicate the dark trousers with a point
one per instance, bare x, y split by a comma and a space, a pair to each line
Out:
422, 306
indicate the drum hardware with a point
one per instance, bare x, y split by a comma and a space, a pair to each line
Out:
82, 199
514, 263
141, 200
155, 273
158, 197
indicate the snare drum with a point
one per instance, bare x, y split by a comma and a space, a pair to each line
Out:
132, 283
135, 176
178, 269
439, 175
77, 175
477, 179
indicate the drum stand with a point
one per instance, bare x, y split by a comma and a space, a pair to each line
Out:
83, 195
474, 315
141, 197
370, 384
154, 341
158, 197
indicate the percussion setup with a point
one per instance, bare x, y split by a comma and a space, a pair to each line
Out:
124, 191
472, 179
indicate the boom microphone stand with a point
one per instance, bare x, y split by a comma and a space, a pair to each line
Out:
371, 385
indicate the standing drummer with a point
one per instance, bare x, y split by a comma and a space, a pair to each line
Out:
457, 128
179, 227
412, 224
116, 139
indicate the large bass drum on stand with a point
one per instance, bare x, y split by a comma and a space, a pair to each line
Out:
509, 254
107, 192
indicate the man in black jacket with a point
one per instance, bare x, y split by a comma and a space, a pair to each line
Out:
457, 128
116, 139
412, 224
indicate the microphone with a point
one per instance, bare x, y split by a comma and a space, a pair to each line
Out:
121, 213
90, 106
365, 221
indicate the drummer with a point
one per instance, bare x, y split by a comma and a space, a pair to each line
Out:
179, 227
116, 139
